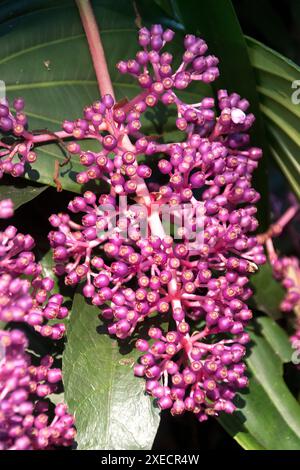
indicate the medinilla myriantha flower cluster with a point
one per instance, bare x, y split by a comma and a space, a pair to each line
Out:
192, 360
27, 421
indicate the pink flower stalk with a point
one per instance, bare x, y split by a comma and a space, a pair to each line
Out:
196, 363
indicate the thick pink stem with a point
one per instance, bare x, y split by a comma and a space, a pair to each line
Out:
271, 250
96, 49
287, 216
276, 229
48, 137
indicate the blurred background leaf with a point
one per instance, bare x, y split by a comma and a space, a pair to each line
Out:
275, 76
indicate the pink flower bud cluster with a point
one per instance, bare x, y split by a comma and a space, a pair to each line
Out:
25, 422
104, 116
25, 295
14, 155
196, 363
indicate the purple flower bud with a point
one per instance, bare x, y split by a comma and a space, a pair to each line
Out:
165, 402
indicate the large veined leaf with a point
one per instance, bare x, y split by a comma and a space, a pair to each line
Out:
109, 403
269, 415
278, 86
44, 57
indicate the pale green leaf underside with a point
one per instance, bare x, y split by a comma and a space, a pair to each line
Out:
111, 408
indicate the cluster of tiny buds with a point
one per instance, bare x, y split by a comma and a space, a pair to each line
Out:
287, 270
25, 294
15, 155
29, 302
194, 64
159, 82
195, 376
104, 115
26, 420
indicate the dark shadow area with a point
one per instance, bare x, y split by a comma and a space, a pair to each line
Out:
273, 22
186, 433
291, 375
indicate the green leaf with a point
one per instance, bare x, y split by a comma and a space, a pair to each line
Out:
166, 5
57, 398
47, 268
20, 191
44, 57
269, 415
268, 293
217, 23
10, 9
277, 338
47, 271
275, 75
109, 403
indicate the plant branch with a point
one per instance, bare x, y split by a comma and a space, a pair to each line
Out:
47, 137
95, 45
